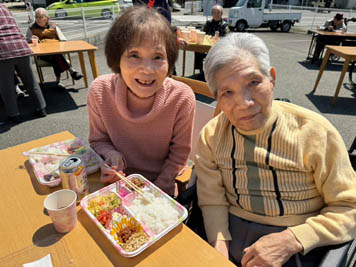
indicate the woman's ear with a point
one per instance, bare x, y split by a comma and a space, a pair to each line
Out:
272, 73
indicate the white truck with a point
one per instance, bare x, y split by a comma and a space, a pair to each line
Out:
251, 14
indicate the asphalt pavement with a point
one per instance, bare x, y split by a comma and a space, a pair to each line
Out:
67, 110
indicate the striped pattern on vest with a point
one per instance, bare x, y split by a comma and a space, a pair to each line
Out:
264, 174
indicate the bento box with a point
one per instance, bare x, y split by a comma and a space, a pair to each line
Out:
46, 166
130, 221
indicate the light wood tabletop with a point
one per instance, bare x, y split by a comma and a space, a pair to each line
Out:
199, 48
334, 33
64, 47
346, 52
27, 232
337, 36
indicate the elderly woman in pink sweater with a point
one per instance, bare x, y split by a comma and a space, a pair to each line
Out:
140, 120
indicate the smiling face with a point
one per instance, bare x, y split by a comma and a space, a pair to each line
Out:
144, 67
245, 94
217, 14
41, 20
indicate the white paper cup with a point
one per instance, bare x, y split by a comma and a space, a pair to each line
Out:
200, 37
61, 207
186, 35
34, 41
193, 35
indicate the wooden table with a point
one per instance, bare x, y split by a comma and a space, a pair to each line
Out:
52, 48
27, 233
337, 36
346, 52
195, 47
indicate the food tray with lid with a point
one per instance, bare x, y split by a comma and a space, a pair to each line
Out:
46, 166
144, 210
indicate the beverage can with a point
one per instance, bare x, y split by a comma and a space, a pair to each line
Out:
74, 176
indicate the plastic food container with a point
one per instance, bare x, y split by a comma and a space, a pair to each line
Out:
47, 165
129, 199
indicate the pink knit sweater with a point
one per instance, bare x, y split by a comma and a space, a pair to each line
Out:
153, 134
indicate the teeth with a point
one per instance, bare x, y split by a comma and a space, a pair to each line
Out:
145, 82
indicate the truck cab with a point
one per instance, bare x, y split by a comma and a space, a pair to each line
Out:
251, 13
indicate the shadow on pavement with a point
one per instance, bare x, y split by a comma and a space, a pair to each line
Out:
344, 105
57, 99
335, 66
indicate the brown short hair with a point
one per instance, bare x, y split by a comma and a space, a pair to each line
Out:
134, 26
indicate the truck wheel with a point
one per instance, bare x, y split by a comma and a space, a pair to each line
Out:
60, 13
286, 25
240, 26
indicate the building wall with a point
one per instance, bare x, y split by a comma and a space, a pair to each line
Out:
345, 4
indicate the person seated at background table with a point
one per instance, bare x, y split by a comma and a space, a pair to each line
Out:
335, 24
45, 30
141, 120
216, 24
15, 54
274, 179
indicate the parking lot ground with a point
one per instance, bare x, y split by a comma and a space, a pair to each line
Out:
295, 80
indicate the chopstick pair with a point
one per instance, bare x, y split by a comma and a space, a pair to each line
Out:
127, 181
48, 153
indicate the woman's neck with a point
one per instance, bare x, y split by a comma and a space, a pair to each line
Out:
139, 106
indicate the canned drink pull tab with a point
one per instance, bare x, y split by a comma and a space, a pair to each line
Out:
69, 162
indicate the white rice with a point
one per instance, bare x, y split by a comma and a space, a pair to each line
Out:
157, 213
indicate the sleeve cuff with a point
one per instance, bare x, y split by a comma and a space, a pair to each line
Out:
306, 236
216, 222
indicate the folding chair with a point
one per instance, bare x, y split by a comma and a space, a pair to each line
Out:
42, 64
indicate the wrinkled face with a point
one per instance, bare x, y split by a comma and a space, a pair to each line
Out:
217, 14
41, 20
245, 94
144, 67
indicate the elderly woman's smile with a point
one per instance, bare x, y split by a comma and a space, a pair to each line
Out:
144, 67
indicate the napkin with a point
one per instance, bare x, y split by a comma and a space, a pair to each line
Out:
43, 262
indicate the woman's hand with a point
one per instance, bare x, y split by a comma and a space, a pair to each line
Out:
117, 163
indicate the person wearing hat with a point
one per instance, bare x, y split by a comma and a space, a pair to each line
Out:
335, 24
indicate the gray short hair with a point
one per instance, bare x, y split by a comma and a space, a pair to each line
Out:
41, 12
218, 7
231, 48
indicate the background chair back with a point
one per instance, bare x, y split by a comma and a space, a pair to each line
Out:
203, 114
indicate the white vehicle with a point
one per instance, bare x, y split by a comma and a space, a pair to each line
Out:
251, 14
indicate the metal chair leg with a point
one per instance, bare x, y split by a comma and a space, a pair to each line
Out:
70, 63
353, 146
39, 70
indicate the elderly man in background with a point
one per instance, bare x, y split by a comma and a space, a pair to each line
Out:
216, 24
15, 55
275, 183
335, 24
